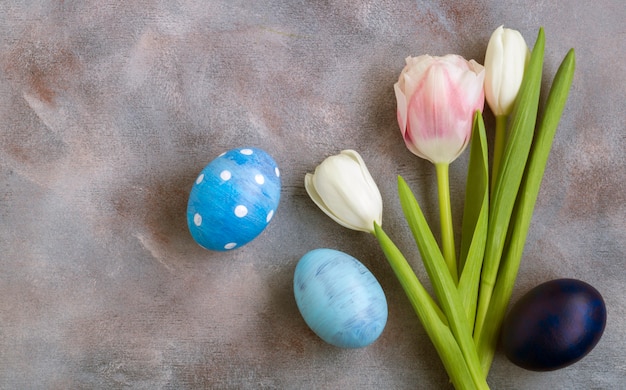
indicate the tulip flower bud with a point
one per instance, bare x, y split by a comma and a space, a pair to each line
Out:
437, 98
344, 189
505, 60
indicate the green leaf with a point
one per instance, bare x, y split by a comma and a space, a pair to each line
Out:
429, 314
523, 119
475, 217
524, 207
443, 284
407, 278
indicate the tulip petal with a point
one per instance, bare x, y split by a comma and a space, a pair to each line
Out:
402, 107
372, 189
317, 199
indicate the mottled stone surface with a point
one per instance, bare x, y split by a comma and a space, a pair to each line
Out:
110, 108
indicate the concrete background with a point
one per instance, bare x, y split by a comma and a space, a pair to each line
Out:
109, 109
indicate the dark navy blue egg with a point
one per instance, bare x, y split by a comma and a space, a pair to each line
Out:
339, 298
554, 325
233, 199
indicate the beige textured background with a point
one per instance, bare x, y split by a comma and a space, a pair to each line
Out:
109, 109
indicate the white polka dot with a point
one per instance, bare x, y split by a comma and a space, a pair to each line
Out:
277, 171
200, 178
247, 152
241, 211
259, 179
197, 219
269, 216
226, 175
230, 245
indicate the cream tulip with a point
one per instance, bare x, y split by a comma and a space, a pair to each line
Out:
505, 61
343, 188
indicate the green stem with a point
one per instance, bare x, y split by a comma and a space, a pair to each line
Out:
498, 146
445, 216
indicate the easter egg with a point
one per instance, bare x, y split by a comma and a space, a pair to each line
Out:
554, 325
233, 199
339, 298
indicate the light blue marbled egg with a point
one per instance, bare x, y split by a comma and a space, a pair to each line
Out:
339, 298
233, 199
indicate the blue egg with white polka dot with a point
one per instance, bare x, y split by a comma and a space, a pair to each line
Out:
233, 199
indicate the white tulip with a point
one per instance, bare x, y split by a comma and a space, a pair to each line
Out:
505, 61
343, 188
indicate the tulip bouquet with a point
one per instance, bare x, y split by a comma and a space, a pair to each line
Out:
439, 107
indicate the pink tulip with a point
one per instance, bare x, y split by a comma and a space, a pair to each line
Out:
437, 98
